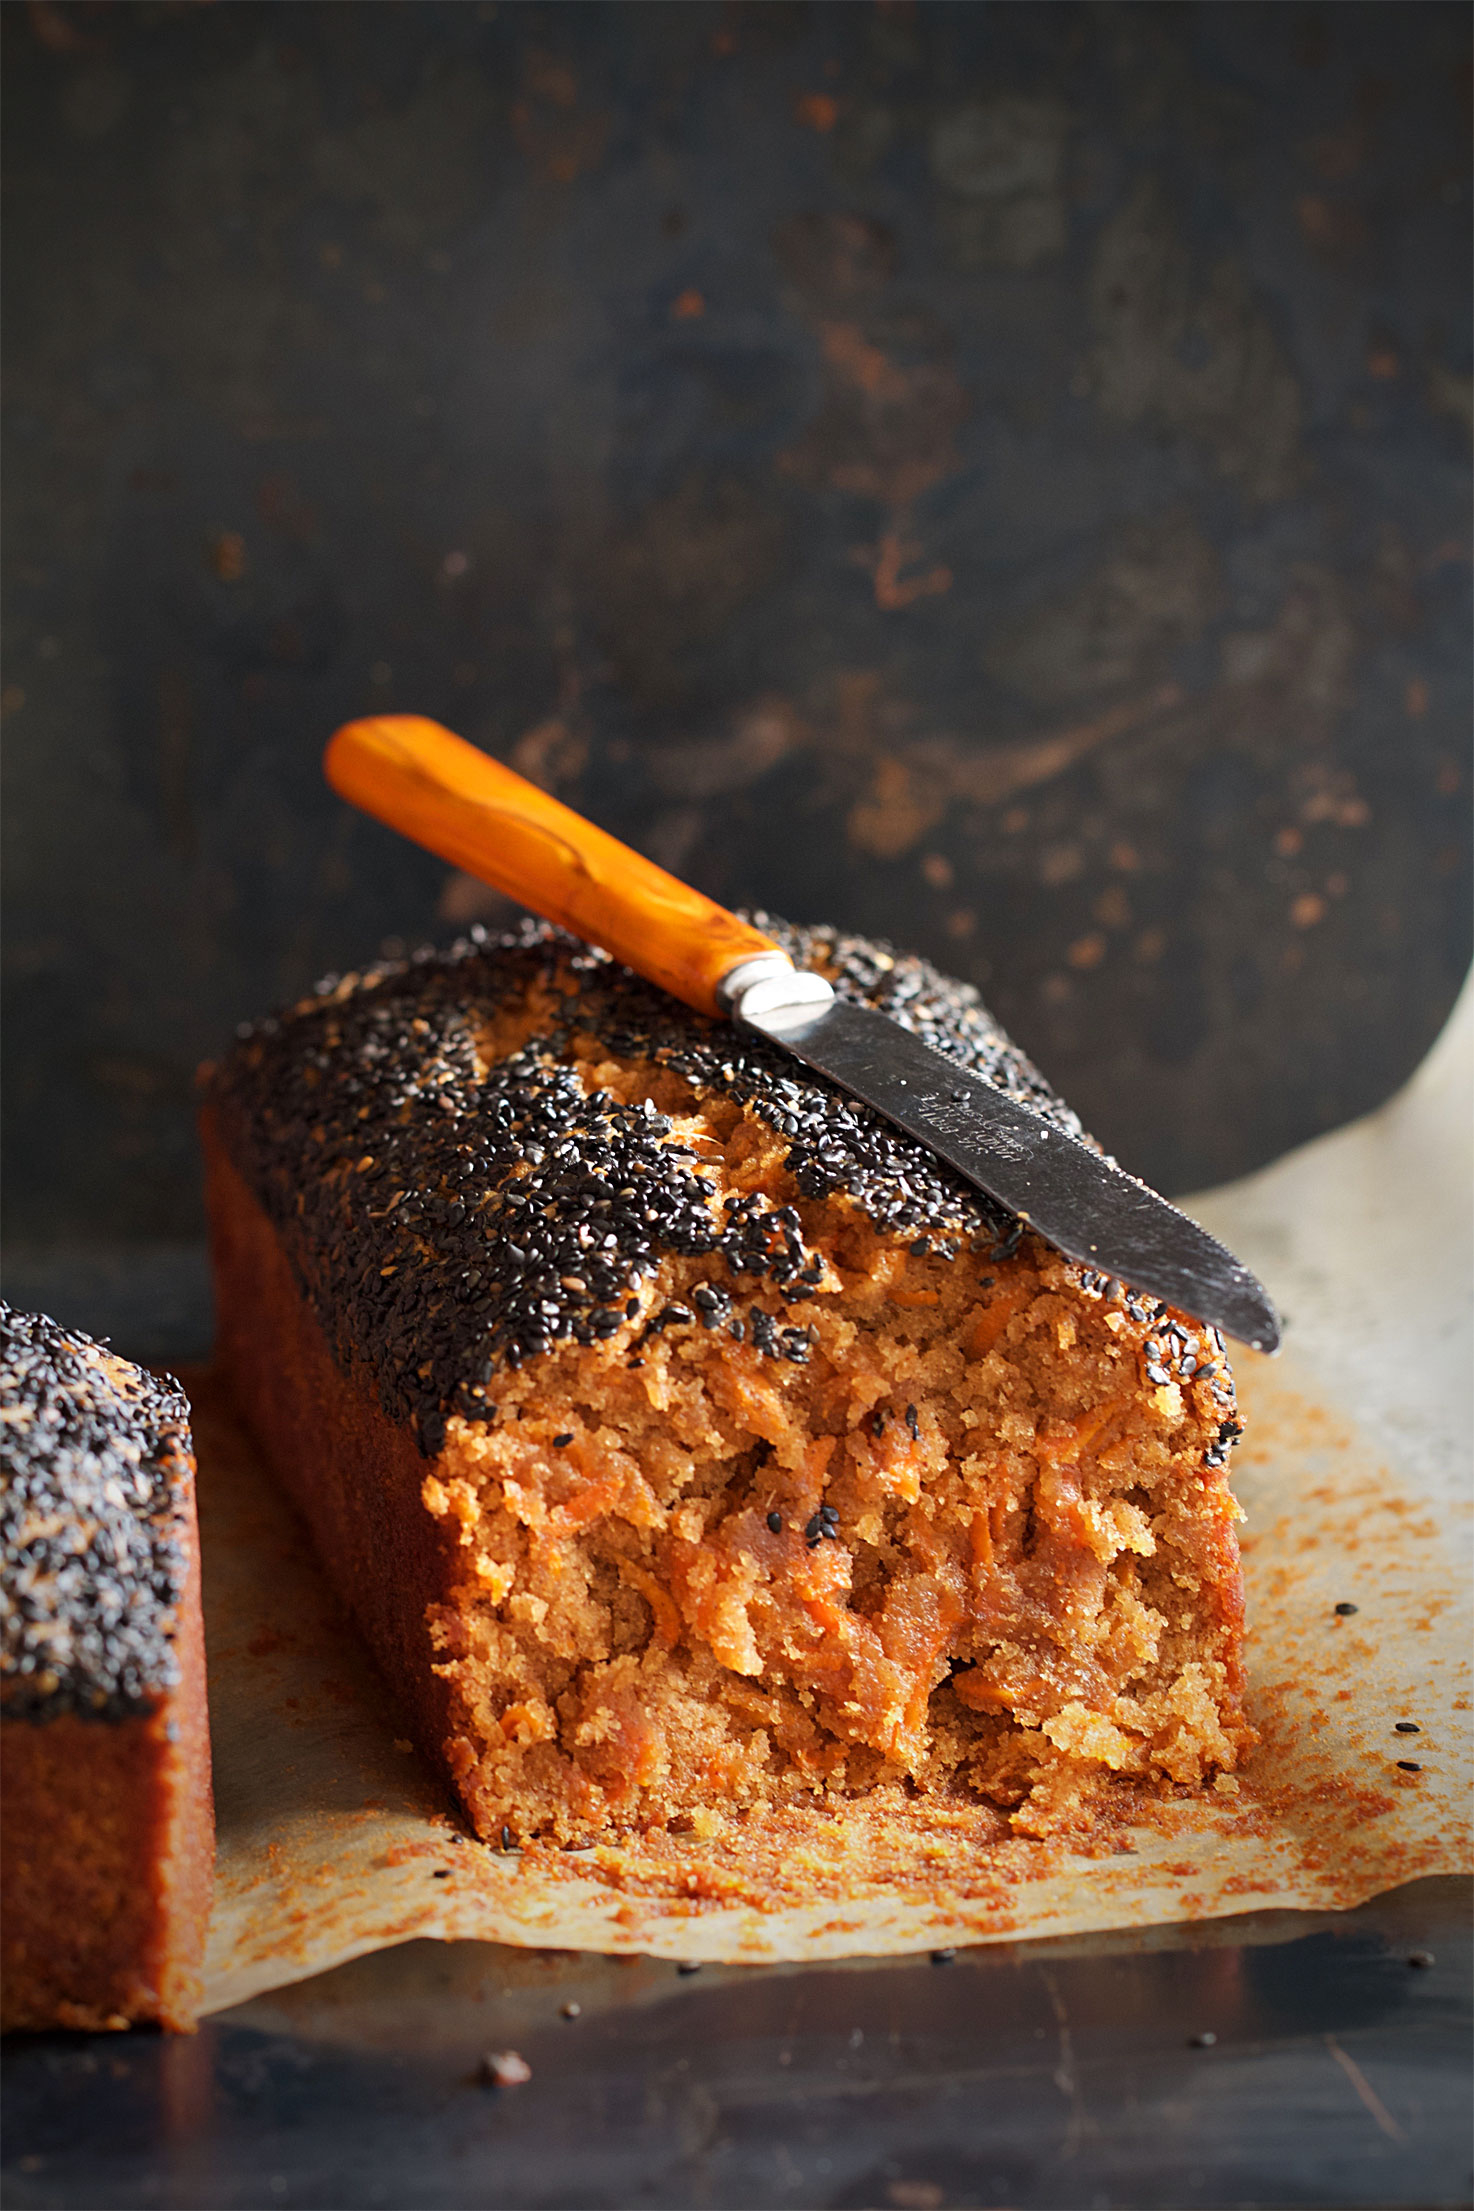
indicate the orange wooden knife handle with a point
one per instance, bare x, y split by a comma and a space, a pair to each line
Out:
434, 787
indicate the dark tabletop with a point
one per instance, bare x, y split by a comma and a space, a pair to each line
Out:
1288, 2058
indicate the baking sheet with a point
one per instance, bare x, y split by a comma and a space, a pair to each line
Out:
333, 1841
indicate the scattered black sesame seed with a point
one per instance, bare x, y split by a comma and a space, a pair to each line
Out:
560, 1441
1421, 1959
441, 1873
775, 1522
913, 1422
1408, 1765
1207, 2040
1346, 1610
1406, 1727
508, 1840
686, 1966
944, 1957
571, 2010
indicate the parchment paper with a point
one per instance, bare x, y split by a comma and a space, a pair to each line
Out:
334, 1841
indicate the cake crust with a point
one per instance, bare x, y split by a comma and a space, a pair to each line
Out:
687, 1441
106, 1865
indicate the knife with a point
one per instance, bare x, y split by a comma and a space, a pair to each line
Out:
434, 787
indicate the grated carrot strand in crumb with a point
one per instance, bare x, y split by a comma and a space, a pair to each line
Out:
995, 1317
586, 1505
664, 1616
818, 1455
1070, 1438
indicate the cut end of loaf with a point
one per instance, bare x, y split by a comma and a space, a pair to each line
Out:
965, 1547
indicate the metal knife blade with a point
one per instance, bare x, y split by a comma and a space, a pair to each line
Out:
1089, 1208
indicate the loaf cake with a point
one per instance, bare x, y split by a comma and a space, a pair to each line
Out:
683, 1437
108, 1843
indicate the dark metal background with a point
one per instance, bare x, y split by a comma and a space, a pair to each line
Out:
995, 475
1045, 2074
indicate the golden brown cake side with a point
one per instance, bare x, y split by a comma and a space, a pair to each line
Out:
356, 1477
758, 1461
107, 1849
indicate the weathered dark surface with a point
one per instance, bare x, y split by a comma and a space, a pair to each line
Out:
997, 477
1291, 2058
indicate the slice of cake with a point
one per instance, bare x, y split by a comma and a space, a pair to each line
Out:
686, 1439
108, 1843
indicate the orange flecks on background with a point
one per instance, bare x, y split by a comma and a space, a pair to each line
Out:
559, 140
849, 351
1415, 698
227, 554
817, 111
1332, 227
687, 306
1308, 909
551, 80
892, 590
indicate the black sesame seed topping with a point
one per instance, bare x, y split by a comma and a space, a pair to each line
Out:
1346, 1610
95, 1457
775, 1523
1408, 1765
1406, 1727
560, 1441
913, 1422
448, 1219
944, 1957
